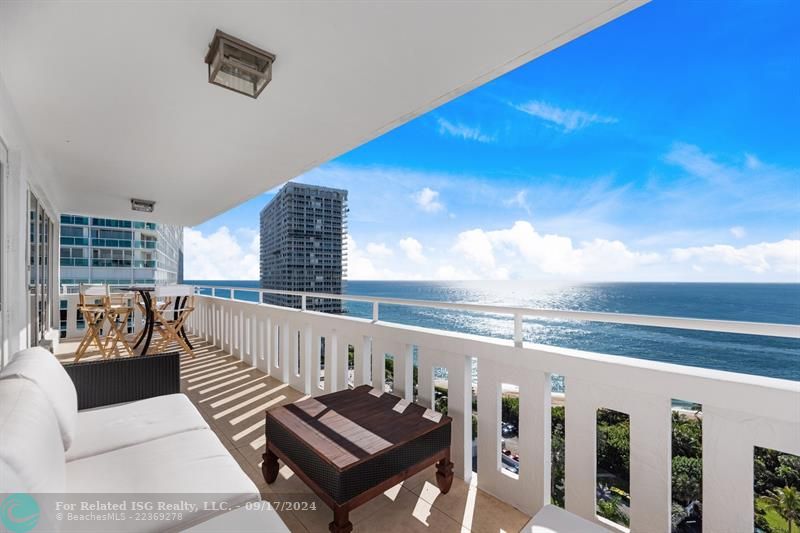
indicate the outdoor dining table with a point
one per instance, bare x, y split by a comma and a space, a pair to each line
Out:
146, 292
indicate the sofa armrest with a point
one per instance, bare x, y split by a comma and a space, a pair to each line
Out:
125, 379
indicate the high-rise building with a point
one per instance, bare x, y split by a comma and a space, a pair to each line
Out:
303, 245
119, 252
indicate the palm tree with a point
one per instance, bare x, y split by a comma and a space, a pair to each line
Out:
785, 502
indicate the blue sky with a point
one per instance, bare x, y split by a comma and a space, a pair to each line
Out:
662, 146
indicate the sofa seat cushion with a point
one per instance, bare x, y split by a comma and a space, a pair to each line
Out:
31, 449
193, 464
113, 427
552, 519
42, 368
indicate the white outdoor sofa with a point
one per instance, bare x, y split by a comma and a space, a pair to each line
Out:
115, 430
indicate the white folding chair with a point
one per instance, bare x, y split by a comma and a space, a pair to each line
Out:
169, 321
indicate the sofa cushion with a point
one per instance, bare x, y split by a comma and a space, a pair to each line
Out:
193, 464
110, 428
31, 449
41, 367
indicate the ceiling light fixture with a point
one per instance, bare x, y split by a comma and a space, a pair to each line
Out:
145, 206
237, 65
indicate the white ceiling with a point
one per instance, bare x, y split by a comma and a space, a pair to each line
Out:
115, 97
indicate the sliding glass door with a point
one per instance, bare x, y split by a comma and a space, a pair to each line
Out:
39, 274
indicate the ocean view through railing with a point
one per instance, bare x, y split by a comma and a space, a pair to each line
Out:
316, 352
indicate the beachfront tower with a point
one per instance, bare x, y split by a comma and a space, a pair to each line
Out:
303, 245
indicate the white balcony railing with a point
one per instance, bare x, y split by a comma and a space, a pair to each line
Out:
740, 411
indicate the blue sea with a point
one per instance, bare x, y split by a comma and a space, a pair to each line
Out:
754, 302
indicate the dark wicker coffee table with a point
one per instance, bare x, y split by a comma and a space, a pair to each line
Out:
350, 446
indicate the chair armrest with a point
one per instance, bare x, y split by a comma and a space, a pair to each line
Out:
126, 379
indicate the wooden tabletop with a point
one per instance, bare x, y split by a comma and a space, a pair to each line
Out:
348, 427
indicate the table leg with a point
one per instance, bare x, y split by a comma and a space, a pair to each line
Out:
269, 468
149, 322
444, 474
182, 331
341, 521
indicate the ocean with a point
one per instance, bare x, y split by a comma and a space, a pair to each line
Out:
754, 302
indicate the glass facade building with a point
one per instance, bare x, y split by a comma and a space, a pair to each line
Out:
119, 252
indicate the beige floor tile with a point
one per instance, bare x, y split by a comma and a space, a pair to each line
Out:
292, 522
317, 519
408, 513
473, 508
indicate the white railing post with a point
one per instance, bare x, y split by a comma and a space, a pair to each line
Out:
650, 463
404, 371
214, 324
374, 312
303, 302
285, 351
276, 362
342, 360
363, 357
534, 436
266, 345
332, 362
425, 394
459, 408
518, 330
378, 364
727, 472
242, 340
580, 442
306, 372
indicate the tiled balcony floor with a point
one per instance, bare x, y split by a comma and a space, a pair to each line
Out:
232, 397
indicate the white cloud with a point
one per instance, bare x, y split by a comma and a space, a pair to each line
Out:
751, 161
729, 185
221, 255
463, 132
413, 249
698, 163
379, 250
476, 246
567, 119
523, 252
738, 232
359, 265
448, 272
782, 257
519, 199
428, 200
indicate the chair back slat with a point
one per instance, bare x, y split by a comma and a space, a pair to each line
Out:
93, 289
168, 291
93, 294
